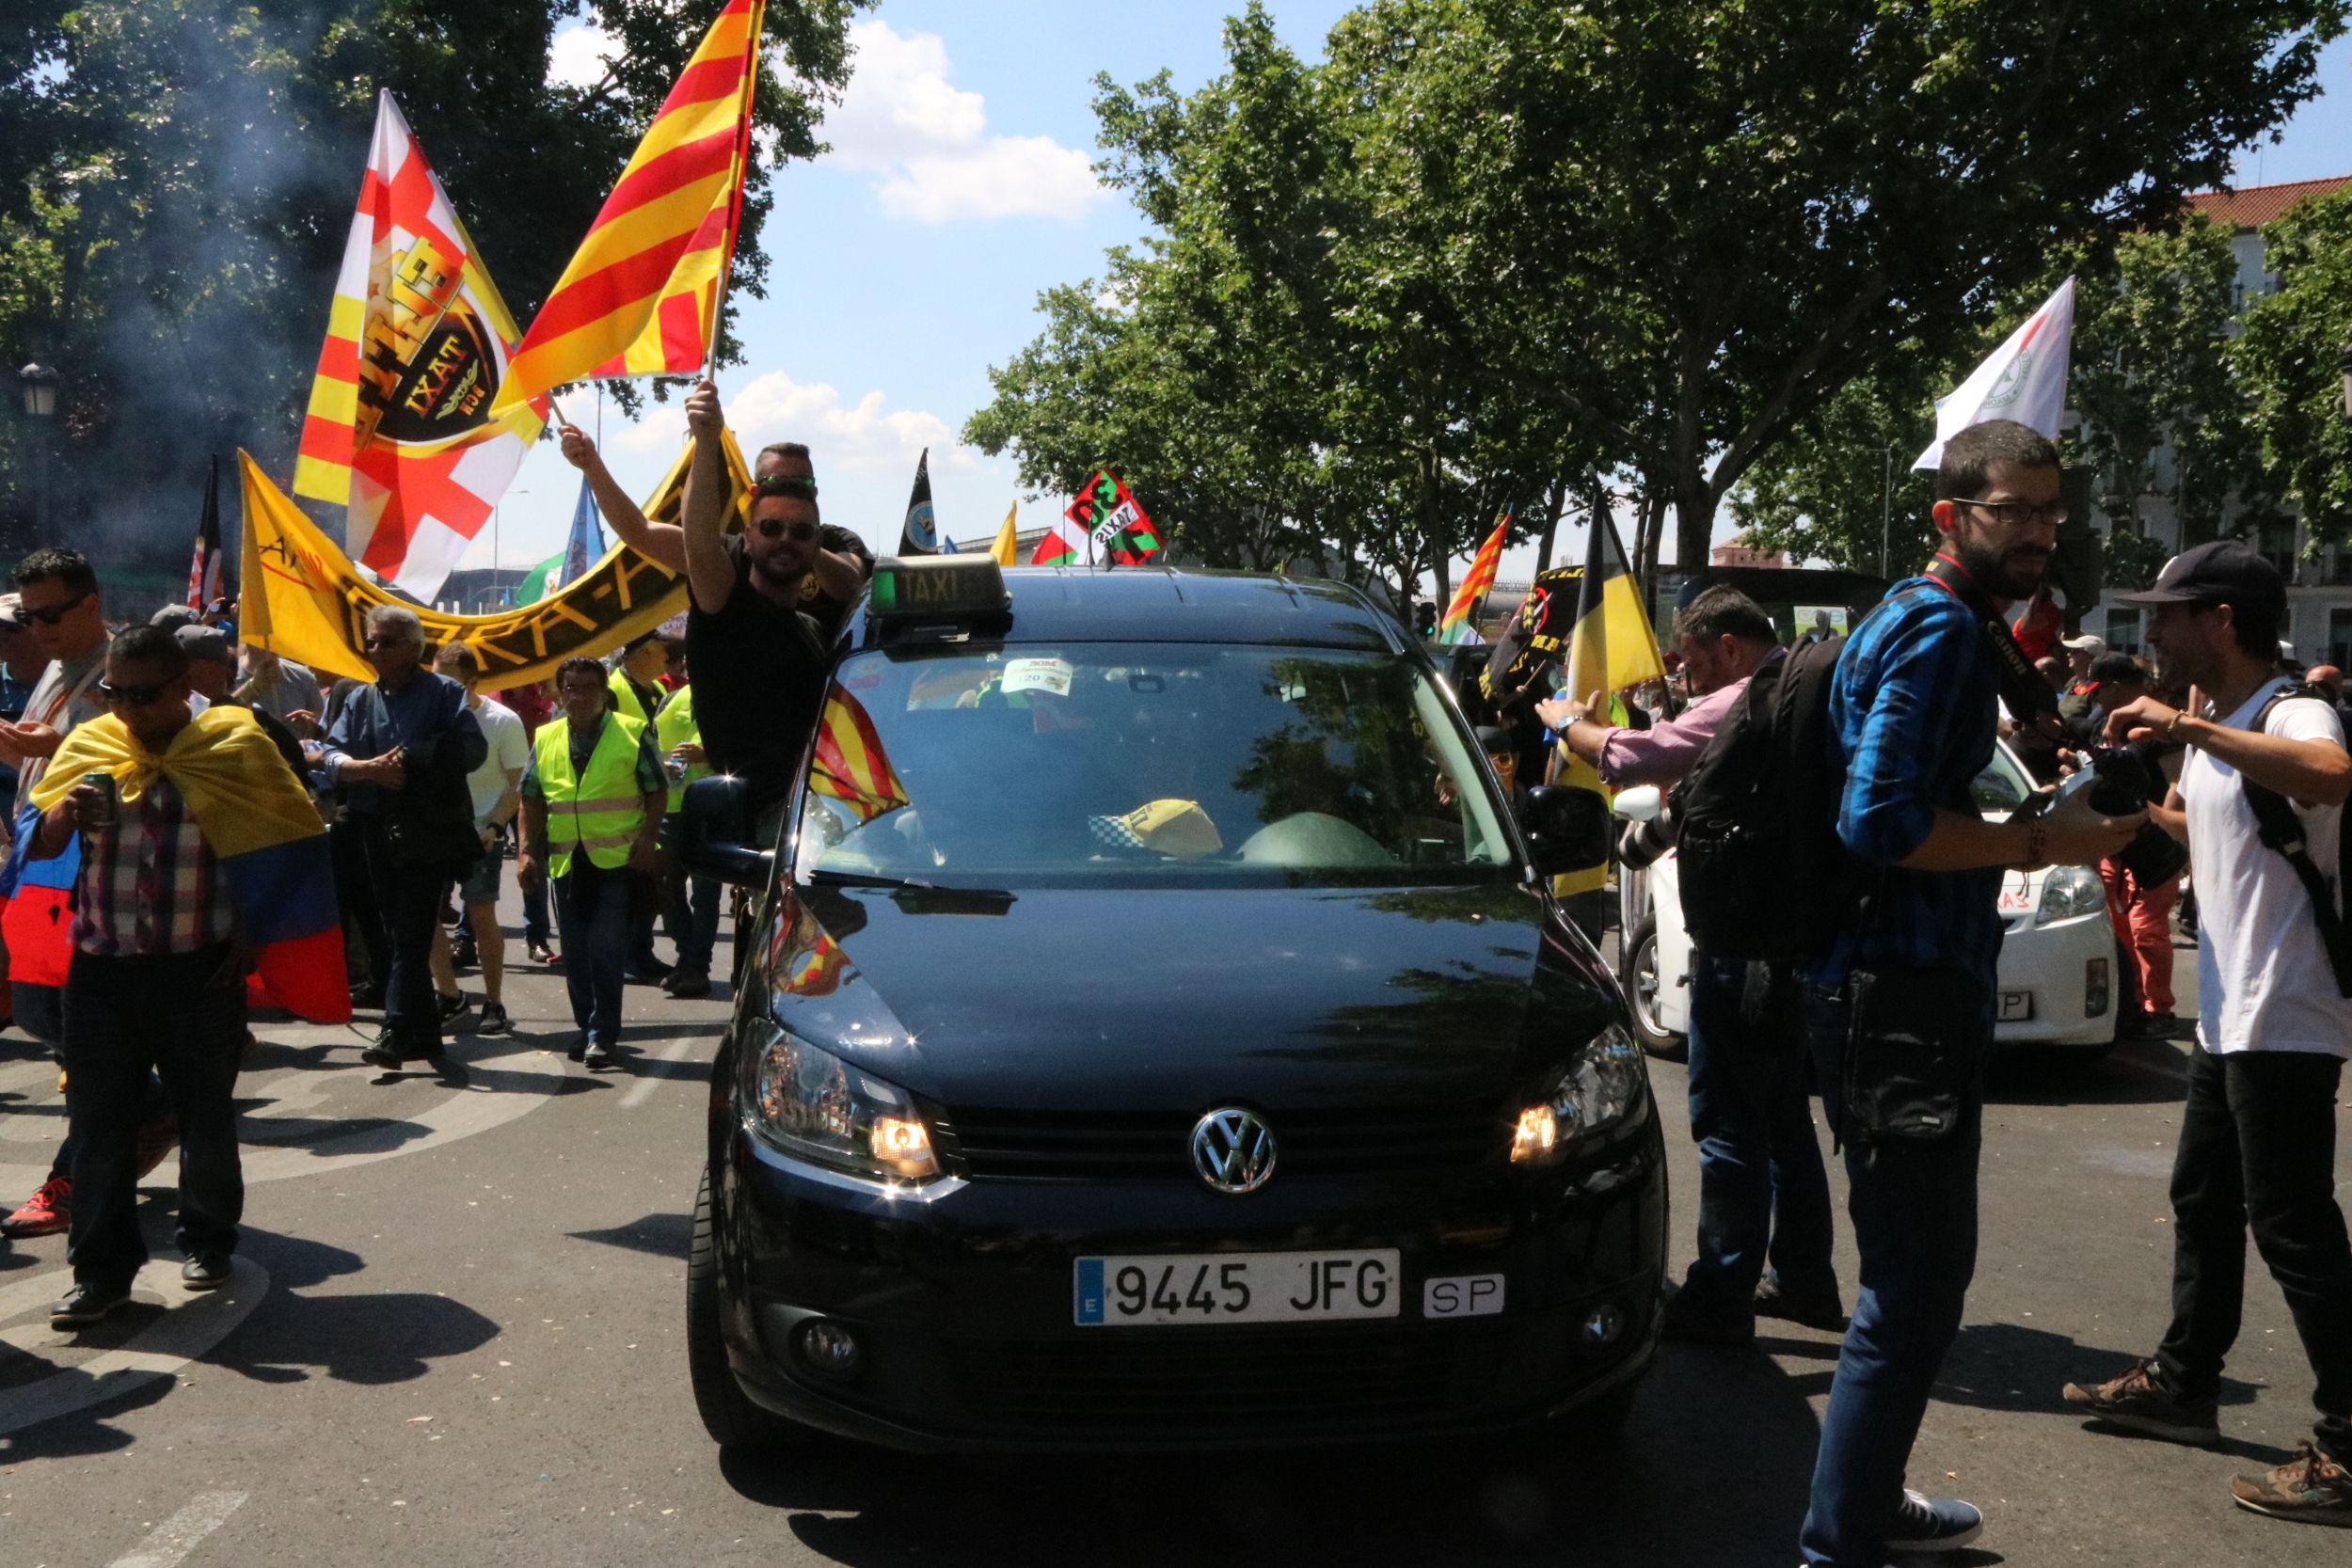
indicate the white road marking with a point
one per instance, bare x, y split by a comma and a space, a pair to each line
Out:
177, 1536
497, 1090
678, 1049
192, 1324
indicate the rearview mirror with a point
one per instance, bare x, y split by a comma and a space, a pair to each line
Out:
715, 833
1568, 829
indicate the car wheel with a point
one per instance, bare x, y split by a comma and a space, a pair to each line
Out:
732, 1420
1638, 972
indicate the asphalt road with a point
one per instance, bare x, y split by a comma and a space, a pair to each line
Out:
456, 1336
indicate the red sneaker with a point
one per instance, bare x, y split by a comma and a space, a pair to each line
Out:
47, 1212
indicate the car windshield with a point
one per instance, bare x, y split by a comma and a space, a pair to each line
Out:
1027, 766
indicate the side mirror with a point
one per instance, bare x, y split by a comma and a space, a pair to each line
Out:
715, 833
1568, 829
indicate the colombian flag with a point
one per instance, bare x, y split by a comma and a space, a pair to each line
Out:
263, 829
851, 766
641, 293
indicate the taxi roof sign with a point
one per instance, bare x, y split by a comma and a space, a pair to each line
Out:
939, 587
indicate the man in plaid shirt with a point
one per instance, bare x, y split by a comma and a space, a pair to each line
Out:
157, 980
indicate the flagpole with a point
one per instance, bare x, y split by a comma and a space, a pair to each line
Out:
742, 161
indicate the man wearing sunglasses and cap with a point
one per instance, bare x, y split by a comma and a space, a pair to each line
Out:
767, 602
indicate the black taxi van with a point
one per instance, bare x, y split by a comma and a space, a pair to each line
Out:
1156, 1033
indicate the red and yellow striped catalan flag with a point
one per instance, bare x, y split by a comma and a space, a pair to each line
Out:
851, 766
641, 293
1460, 622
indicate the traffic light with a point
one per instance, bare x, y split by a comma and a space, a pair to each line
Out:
1426, 618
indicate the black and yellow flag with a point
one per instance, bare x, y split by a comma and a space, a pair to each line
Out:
1611, 644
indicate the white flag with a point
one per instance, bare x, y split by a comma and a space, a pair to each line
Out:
2024, 379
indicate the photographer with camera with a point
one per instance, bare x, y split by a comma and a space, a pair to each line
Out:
1762, 1188
2260, 802
1899, 1001
2143, 882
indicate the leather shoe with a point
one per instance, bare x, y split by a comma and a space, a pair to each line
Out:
206, 1271
85, 1303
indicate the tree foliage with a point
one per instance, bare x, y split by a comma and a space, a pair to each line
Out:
177, 180
2292, 354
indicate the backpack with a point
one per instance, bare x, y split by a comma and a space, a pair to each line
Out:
2280, 830
1764, 875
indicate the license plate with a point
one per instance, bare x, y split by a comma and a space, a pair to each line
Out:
2016, 895
2016, 1007
1235, 1288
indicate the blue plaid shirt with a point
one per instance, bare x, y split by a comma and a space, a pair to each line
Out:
1915, 706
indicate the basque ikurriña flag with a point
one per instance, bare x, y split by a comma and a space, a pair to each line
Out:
264, 833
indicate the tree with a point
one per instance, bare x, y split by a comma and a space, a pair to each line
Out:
177, 180
1719, 216
2289, 357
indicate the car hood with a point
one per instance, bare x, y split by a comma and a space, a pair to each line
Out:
1165, 998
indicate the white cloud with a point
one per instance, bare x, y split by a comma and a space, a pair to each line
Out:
576, 58
927, 140
866, 437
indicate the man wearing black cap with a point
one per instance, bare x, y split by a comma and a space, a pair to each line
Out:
1496, 742
2261, 804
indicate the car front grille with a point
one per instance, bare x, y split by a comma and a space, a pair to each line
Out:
1186, 1379
1155, 1145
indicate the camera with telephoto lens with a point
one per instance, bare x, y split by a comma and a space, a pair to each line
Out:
1642, 841
2119, 781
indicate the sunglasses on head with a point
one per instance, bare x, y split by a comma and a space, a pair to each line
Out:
802, 530
785, 484
129, 696
385, 643
50, 614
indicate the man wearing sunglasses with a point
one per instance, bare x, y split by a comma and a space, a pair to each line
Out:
403, 749
58, 601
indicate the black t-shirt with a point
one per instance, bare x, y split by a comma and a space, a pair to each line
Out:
759, 670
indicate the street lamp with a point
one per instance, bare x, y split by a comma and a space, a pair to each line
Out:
40, 384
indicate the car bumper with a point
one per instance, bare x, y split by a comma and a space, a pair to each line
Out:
2060, 983
963, 1305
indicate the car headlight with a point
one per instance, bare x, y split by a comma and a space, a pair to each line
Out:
2068, 891
812, 1103
1603, 1088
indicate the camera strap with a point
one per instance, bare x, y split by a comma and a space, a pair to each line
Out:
2280, 830
2028, 698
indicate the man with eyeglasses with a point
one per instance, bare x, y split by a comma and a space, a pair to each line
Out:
1899, 1009
403, 749
58, 600
767, 603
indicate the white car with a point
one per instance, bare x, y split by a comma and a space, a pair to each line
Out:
2061, 966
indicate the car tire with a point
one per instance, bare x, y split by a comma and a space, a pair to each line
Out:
732, 1419
1638, 972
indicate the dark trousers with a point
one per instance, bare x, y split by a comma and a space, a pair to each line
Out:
536, 931
410, 899
124, 1018
592, 914
1761, 1182
355, 894
1914, 1207
2258, 1149
691, 917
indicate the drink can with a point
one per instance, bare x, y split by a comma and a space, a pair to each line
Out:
104, 784
675, 766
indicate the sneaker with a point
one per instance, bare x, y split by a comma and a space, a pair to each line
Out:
1924, 1524
463, 954
1822, 1313
2311, 1489
87, 1304
47, 1212
2138, 1403
541, 953
452, 1009
600, 1056
206, 1271
385, 1053
688, 983
493, 1020
156, 1139
1685, 1323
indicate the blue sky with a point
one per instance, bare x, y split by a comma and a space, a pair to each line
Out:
957, 189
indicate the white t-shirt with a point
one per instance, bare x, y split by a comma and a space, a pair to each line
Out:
2264, 982
510, 750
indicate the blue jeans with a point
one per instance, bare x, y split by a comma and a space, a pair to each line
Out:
1761, 1183
592, 915
1914, 1207
692, 920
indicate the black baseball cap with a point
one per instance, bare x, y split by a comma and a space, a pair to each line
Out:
2117, 666
2221, 572
1493, 740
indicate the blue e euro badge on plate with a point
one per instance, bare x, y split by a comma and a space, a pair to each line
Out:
1090, 1278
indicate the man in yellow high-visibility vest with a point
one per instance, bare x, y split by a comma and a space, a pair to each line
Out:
592, 815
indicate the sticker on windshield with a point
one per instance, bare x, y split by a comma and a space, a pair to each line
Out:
1038, 675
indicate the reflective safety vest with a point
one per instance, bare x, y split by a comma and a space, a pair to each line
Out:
600, 813
672, 727
624, 697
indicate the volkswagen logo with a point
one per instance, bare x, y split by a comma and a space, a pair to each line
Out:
1232, 1150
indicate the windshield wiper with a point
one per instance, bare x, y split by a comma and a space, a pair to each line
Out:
824, 877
